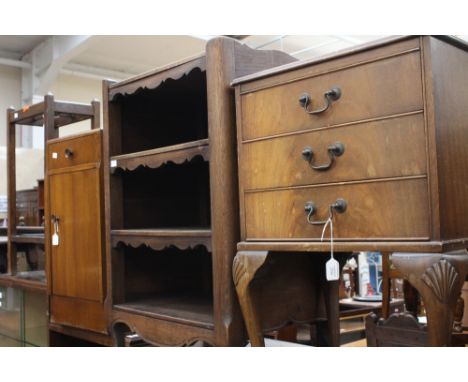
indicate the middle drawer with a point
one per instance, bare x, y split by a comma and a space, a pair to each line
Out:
380, 149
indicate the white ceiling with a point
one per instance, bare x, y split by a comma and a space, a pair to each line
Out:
131, 55
15, 47
119, 57
136, 54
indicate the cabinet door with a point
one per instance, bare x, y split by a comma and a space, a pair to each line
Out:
76, 262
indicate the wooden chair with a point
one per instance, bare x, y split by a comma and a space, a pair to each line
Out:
400, 329
404, 328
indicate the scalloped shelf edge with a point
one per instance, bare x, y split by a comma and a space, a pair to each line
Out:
154, 164
137, 243
128, 89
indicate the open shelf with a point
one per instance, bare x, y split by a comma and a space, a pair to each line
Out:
182, 308
172, 113
34, 282
174, 196
158, 239
155, 158
170, 284
66, 113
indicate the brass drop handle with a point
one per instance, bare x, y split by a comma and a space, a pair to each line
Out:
334, 150
331, 95
68, 153
339, 206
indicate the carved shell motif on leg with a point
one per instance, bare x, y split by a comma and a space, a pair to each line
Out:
441, 278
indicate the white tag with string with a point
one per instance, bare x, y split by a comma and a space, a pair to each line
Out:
332, 267
55, 239
55, 236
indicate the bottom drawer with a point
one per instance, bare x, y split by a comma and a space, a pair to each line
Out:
384, 210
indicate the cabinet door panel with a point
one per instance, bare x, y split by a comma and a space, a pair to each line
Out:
77, 260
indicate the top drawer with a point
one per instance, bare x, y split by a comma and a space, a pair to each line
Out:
72, 151
385, 87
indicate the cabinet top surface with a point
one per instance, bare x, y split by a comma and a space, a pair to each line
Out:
341, 53
75, 136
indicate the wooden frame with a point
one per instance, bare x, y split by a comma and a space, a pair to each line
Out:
52, 115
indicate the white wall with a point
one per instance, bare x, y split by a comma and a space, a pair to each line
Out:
30, 161
77, 89
10, 95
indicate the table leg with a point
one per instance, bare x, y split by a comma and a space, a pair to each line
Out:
438, 278
245, 266
386, 283
412, 299
331, 294
331, 290
458, 315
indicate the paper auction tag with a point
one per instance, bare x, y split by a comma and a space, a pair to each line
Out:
55, 239
332, 267
333, 270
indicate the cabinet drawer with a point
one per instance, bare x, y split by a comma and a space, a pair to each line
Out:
397, 209
381, 149
71, 151
380, 88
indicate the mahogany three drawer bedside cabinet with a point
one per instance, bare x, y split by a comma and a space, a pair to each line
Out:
369, 145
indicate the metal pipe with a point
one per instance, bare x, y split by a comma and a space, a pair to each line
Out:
15, 63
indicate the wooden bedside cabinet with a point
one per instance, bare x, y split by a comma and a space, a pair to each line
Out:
75, 214
373, 137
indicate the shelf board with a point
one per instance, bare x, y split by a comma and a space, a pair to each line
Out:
157, 157
180, 308
29, 229
30, 238
66, 113
159, 239
22, 281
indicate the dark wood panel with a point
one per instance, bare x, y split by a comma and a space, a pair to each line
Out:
280, 215
79, 313
380, 149
450, 87
367, 91
85, 148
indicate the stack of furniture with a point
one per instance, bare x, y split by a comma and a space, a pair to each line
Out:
171, 198
70, 201
373, 137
